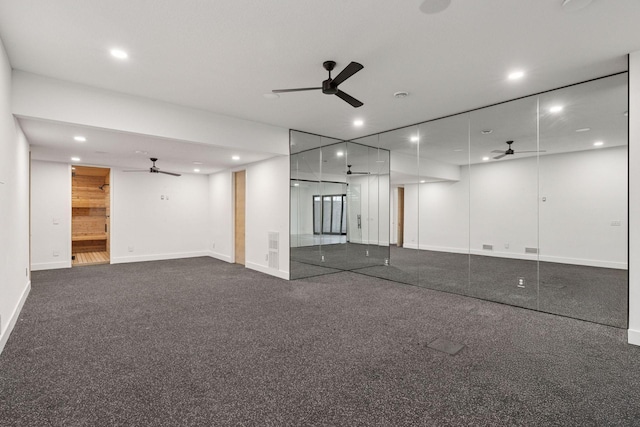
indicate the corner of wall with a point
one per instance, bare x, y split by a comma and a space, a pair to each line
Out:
4, 334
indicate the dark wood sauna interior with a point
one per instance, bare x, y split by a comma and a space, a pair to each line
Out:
90, 211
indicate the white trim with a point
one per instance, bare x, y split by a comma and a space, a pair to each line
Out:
157, 257
4, 335
530, 257
266, 270
221, 257
633, 337
50, 265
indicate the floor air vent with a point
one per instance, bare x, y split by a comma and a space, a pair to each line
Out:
274, 250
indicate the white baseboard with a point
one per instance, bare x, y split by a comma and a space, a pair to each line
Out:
633, 337
4, 335
157, 257
586, 262
266, 270
221, 257
50, 265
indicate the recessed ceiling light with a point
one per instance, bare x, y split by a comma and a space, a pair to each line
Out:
401, 94
72, 168
235, 157
271, 95
141, 152
485, 159
583, 130
196, 170
340, 154
79, 138
423, 181
119, 53
457, 150
516, 75
598, 143
358, 123
295, 184
197, 163
415, 138
75, 159
486, 131
555, 109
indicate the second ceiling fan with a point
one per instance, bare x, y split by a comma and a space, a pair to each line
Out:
330, 86
509, 151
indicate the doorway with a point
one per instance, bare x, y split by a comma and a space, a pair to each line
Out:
239, 215
90, 215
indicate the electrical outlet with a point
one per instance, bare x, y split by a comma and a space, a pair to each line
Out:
506, 246
616, 223
130, 248
162, 197
521, 282
56, 221
56, 253
166, 197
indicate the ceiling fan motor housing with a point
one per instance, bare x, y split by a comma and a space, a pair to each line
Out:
328, 88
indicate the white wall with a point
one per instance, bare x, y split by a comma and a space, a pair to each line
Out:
267, 210
46, 98
50, 215
584, 191
634, 198
144, 227
220, 216
14, 209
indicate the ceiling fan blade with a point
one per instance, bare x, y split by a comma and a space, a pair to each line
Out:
295, 90
170, 173
348, 71
137, 170
500, 156
350, 99
498, 151
531, 151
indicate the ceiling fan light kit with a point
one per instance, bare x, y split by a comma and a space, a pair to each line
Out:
330, 86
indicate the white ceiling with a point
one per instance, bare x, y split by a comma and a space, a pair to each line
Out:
223, 55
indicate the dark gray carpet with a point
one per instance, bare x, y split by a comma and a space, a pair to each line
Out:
588, 293
202, 342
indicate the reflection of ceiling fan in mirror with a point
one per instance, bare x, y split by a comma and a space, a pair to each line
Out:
154, 169
349, 172
509, 151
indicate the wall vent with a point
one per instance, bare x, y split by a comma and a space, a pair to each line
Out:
487, 247
274, 250
530, 250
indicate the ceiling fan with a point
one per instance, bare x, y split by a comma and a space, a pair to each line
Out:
330, 86
509, 151
349, 172
154, 169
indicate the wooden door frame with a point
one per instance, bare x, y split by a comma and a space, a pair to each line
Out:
234, 209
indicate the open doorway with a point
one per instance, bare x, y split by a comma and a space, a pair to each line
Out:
90, 215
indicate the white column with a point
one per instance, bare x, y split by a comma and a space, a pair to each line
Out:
634, 198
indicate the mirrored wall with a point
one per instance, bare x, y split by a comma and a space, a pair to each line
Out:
523, 203
339, 206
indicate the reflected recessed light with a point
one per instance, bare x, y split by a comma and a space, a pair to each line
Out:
358, 122
196, 170
423, 181
75, 159
555, 109
197, 163
486, 131
415, 138
401, 94
598, 143
119, 53
79, 138
339, 154
457, 150
516, 75
235, 157
295, 184
485, 159
583, 130
271, 95
141, 152
72, 168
